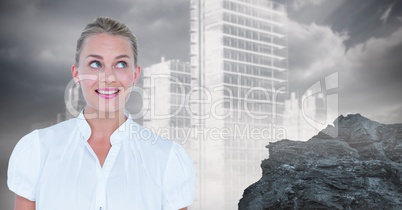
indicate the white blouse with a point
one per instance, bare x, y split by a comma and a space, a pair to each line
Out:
57, 168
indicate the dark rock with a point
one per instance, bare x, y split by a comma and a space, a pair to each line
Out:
359, 168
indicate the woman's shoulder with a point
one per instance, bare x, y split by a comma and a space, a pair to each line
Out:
60, 127
44, 137
149, 137
28, 157
154, 144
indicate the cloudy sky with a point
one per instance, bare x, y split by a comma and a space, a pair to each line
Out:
362, 41
359, 39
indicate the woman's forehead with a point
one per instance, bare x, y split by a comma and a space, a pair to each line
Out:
107, 44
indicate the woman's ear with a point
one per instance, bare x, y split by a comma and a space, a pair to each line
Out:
74, 73
137, 74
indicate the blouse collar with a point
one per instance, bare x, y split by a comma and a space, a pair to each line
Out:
122, 132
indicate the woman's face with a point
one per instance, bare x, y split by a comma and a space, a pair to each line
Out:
106, 72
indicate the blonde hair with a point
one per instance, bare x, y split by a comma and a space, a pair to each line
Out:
109, 26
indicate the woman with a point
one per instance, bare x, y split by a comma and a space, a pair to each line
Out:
102, 159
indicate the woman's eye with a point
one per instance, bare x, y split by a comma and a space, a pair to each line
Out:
95, 64
121, 65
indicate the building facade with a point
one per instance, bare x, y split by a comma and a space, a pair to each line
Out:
239, 63
308, 114
165, 87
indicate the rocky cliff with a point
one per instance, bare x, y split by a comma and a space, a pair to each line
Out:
359, 169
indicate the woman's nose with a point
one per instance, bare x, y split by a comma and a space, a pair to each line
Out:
111, 78
107, 76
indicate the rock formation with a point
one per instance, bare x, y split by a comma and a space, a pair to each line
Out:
360, 168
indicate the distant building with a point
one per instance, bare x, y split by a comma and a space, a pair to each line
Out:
306, 116
239, 60
165, 86
75, 102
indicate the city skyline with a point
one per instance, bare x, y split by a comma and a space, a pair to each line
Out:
350, 31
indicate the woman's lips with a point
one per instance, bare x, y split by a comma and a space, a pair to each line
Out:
107, 93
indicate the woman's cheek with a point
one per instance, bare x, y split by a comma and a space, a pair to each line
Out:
127, 81
88, 82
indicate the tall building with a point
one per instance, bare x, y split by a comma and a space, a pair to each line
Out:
165, 86
239, 64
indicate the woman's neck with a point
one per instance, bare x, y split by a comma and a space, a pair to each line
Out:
103, 124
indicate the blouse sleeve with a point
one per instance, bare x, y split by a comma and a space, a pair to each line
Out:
24, 166
179, 180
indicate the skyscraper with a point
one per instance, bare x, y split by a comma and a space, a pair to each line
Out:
239, 64
165, 87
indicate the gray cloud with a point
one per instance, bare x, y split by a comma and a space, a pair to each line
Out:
314, 52
297, 4
350, 37
369, 72
373, 77
384, 17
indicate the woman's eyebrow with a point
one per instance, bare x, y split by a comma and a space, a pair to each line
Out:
100, 57
95, 56
122, 56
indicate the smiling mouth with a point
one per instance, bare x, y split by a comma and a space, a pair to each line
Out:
107, 92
